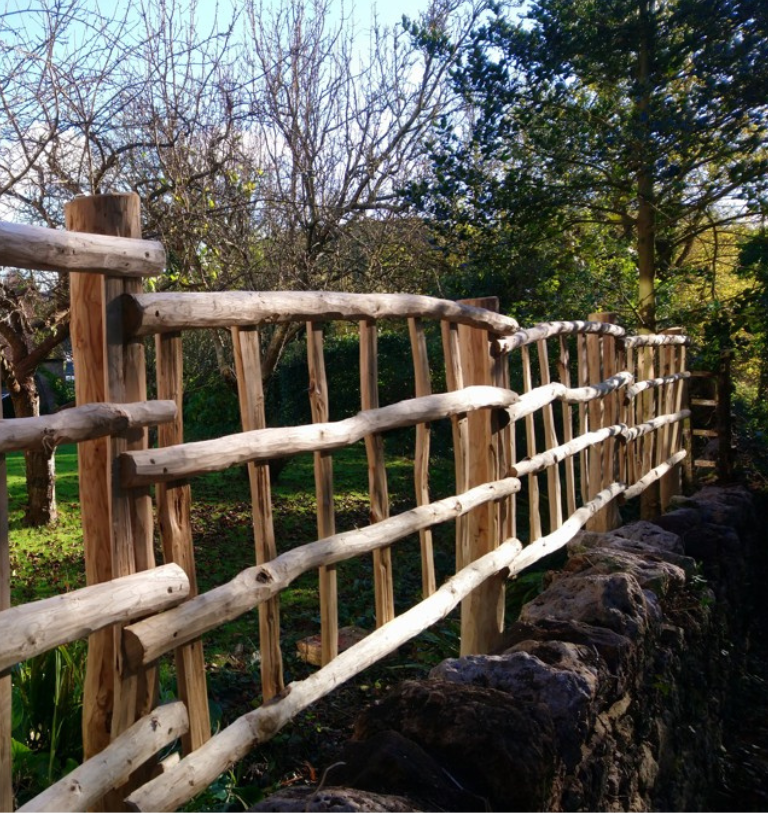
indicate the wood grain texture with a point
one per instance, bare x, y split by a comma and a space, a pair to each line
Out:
253, 417
160, 312
175, 525
482, 612
383, 578
326, 515
46, 249
30, 629
82, 423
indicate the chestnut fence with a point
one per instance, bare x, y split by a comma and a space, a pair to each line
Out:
622, 407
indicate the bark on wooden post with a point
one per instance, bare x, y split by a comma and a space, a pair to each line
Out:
173, 512
650, 498
326, 516
422, 386
249, 386
534, 505
601, 362
117, 524
6, 768
564, 374
454, 380
377, 473
554, 490
669, 485
87, 331
482, 612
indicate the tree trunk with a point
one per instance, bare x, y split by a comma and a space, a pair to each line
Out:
646, 211
40, 463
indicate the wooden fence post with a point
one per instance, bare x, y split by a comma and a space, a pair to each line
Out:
377, 471
247, 349
422, 387
482, 612
674, 362
6, 768
87, 332
601, 362
174, 520
326, 515
117, 524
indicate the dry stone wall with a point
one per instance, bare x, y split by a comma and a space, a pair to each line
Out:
610, 692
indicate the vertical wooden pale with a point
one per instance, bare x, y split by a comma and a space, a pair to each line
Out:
584, 426
6, 766
554, 492
422, 387
482, 612
326, 518
564, 373
377, 472
504, 448
649, 499
454, 380
630, 418
669, 484
601, 363
534, 509
253, 416
174, 520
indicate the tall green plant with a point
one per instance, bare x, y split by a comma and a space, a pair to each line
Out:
47, 706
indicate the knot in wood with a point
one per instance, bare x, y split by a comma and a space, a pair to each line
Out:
264, 577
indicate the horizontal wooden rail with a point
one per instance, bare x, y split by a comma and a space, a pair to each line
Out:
147, 640
650, 383
196, 771
44, 249
654, 340
640, 429
83, 787
33, 628
653, 475
553, 456
548, 330
82, 423
145, 314
191, 459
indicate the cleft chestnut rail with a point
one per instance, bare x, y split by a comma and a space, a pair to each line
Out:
595, 419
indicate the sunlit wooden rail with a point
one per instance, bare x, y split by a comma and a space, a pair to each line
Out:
572, 414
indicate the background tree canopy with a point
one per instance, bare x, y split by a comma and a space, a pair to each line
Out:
600, 140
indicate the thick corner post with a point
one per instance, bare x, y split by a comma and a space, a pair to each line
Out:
482, 612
